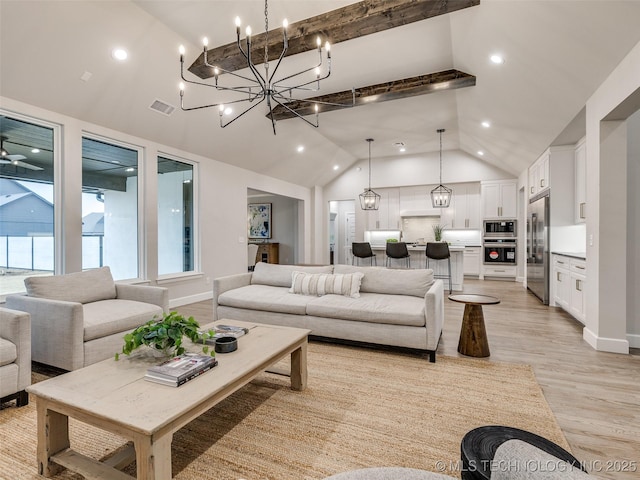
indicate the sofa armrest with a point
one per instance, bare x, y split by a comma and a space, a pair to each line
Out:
144, 293
57, 330
434, 312
224, 284
15, 326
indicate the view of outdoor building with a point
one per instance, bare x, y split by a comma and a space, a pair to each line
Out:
110, 207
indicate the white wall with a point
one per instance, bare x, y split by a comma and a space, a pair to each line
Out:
222, 215
607, 227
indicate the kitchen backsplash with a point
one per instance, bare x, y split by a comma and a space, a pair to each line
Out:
419, 229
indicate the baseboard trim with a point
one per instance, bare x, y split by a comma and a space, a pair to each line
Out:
200, 297
634, 340
603, 344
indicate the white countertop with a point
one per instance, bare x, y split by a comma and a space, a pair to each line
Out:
422, 248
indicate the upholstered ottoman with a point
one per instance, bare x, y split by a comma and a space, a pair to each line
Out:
388, 473
479, 446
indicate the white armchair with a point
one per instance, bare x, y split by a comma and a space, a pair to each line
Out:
15, 356
80, 318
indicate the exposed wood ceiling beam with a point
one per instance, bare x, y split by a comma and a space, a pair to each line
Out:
352, 21
407, 87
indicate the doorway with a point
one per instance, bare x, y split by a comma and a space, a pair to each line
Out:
342, 224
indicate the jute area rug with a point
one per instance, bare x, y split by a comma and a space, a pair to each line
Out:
362, 408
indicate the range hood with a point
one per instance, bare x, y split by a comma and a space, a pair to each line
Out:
429, 212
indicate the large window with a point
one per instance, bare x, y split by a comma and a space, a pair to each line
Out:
110, 207
175, 216
26, 202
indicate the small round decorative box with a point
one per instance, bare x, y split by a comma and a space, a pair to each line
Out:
226, 344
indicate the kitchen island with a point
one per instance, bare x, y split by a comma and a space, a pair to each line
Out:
418, 260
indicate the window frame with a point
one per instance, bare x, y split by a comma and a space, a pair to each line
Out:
140, 207
195, 230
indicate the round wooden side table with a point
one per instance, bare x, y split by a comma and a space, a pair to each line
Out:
473, 336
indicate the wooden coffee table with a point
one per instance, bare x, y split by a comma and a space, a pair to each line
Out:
113, 395
473, 335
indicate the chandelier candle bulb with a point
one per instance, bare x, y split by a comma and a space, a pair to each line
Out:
327, 47
182, 52
205, 42
238, 23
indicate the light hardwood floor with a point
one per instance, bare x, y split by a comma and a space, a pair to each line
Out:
595, 396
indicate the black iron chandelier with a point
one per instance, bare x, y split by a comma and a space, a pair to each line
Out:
369, 200
441, 195
260, 87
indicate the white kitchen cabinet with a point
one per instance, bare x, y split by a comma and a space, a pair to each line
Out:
387, 217
578, 277
508, 271
539, 175
580, 158
568, 285
499, 199
472, 258
561, 282
465, 214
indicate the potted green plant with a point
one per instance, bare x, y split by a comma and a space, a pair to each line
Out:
437, 232
166, 335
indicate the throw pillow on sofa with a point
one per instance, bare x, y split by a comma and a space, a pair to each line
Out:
326, 284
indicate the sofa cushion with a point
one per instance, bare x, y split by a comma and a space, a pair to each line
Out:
266, 298
280, 275
326, 284
8, 352
371, 307
81, 287
107, 317
392, 281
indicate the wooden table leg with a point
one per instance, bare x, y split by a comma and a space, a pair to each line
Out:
53, 437
299, 368
153, 457
473, 336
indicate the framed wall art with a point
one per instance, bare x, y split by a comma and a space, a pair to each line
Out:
259, 215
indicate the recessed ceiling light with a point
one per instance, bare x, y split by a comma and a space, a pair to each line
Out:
119, 54
497, 59
403, 149
35, 150
480, 152
336, 167
486, 124
130, 169
300, 148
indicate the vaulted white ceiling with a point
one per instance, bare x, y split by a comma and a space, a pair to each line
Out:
557, 53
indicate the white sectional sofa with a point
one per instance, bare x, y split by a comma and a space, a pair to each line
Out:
402, 308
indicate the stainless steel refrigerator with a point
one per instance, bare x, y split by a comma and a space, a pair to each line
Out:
538, 247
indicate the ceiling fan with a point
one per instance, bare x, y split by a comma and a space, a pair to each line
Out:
7, 158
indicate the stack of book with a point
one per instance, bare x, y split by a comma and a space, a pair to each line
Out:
179, 370
226, 331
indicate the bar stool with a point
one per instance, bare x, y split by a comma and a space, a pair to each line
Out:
362, 250
439, 251
397, 250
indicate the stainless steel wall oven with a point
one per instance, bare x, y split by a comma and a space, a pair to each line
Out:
499, 251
